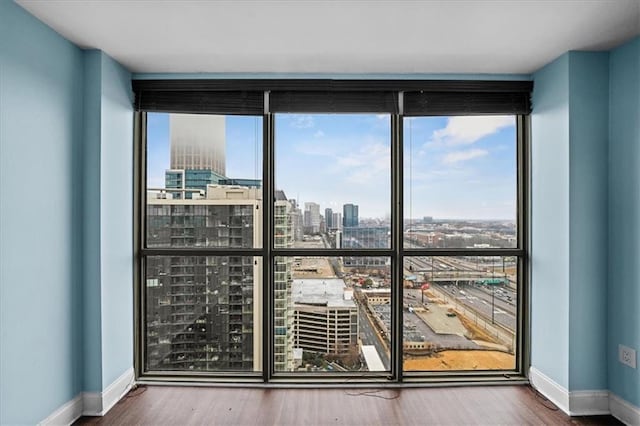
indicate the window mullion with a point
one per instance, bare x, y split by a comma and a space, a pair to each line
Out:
268, 242
397, 244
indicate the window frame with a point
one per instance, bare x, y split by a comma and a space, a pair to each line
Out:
397, 252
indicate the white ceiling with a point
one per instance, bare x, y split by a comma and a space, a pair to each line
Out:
310, 36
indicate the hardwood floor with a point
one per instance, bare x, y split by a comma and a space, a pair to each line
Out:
486, 405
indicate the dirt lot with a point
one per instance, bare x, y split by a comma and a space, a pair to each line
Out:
461, 360
312, 267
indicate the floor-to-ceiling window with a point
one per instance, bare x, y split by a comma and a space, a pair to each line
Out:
392, 246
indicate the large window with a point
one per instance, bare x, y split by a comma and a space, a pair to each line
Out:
392, 246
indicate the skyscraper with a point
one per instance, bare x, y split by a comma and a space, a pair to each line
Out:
197, 151
337, 220
328, 218
197, 142
297, 220
202, 310
283, 238
312, 219
350, 215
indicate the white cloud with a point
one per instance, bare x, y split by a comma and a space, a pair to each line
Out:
368, 162
468, 130
302, 122
371, 162
315, 148
459, 156
318, 134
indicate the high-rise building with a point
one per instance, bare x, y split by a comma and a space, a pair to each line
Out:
202, 311
312, 219
337, 220
192, 179
197, 142
197, 152
350, 215
283, 322
297, 221
328, 218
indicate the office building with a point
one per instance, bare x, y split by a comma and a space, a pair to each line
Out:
328, 218
197, 142
366, 237
350, 215
297, 220
311, 218
197, 154
325, 316
192, 179
336, 220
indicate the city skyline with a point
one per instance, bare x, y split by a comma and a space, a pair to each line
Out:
334, 160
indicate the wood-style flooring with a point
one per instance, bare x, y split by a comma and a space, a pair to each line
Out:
473, 405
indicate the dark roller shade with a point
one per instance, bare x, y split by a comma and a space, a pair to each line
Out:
205, 102
466, 103
421, 97
333, 101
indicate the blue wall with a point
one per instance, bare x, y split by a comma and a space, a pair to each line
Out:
550, 221
116, 205
91, 221
66, 174
585, 212
41, 125
624, 217
588, 134
108, 221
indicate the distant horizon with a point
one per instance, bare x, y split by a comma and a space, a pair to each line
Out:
456, 168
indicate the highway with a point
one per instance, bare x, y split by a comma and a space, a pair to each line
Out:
478, 298
481, 302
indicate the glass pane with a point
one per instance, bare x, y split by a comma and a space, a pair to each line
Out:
335, 172
204, 185
460, 313
460, 182
203, 313
332, 314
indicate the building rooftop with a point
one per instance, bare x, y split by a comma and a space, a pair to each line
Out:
321, 292
280, 195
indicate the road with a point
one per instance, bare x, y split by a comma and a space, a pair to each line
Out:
370, 337
480, 301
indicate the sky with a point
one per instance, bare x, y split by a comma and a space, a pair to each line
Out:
454, 167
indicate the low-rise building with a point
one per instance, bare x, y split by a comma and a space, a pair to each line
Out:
325, 316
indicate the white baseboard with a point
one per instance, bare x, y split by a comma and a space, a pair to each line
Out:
623, 410
99, 403
576, 403
91, 403
65, 415
116, 390
550, 389
589, 403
